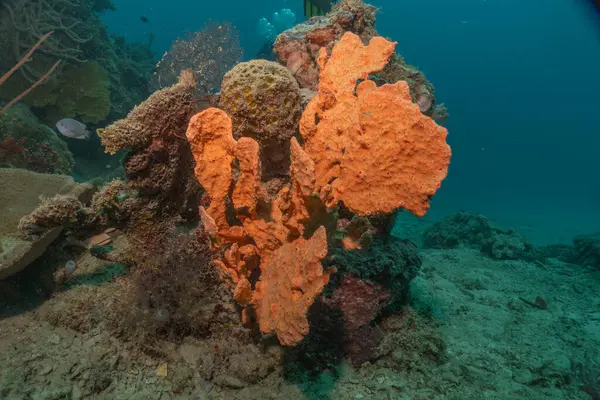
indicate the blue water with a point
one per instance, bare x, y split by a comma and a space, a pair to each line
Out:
520, 80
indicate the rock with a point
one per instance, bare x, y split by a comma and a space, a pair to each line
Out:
476, 231
504, 246
587, 250
54, 339
46, 368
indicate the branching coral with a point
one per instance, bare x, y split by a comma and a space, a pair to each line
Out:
370, 148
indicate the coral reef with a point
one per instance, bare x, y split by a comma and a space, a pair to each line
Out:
129, 72
298, 49
18, 65
26, 21
210, 53
52, 212
117, 204
263, 100
211, 139
290, 280
255, 208
174, 289
28, 144
159, 167
476, 231
161, 191
287, 232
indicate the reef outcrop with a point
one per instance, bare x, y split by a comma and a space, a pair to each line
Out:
337, 165
476, 231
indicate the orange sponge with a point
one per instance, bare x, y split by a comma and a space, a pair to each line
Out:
373, 148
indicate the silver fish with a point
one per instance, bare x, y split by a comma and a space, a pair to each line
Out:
70, 267
73, 129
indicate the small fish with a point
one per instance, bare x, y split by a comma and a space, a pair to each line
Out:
144, 19
317, 7
70, 268
73, 129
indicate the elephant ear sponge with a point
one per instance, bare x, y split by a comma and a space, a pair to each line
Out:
373, 148
263, 100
